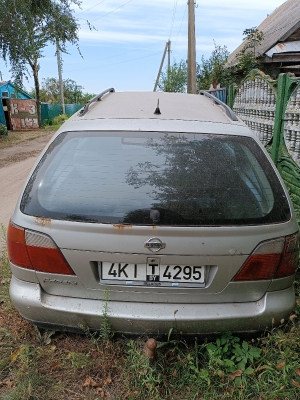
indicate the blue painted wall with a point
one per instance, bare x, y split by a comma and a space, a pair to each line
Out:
12, 92
2, 117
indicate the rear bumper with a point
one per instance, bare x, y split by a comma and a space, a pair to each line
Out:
68, 313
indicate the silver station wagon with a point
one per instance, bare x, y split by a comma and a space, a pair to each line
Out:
159, 211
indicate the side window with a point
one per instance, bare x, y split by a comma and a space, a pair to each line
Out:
254, 177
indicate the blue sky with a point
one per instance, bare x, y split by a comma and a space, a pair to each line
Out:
124, 50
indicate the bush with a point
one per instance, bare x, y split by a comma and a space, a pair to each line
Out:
59, 119
3, 130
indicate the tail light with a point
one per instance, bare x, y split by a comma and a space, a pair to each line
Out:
32, 250
273, 259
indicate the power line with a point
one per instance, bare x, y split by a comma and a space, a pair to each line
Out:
126, 61
127, 52
134, 59
104, 15
132, 51
91, 7
181, 23
121, 62
173, 17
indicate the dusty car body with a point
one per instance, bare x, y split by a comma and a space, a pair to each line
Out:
161, 215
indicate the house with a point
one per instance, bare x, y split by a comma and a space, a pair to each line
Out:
280, 48
17, 109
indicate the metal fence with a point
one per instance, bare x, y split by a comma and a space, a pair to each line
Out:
220, 94
271, 108
50, 111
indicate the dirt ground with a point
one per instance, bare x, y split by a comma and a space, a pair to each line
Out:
15, 163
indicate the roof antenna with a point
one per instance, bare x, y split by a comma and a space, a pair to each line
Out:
157, 110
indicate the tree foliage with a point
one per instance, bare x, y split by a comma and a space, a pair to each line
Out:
213, 69
174, 79
27, 27
73, 93
248, 58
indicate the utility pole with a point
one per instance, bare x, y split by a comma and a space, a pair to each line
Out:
61, 86
169, 55
192, 88
167, 47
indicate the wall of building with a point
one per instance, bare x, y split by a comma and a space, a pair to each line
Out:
8, 91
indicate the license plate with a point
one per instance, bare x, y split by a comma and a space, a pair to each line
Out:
152, 274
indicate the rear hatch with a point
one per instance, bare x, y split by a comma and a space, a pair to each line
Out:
155, 217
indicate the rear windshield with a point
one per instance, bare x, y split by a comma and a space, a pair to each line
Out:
156, 179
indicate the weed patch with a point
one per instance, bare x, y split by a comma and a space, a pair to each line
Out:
56, 122
70, 366
5, 274
39, 364
15, 137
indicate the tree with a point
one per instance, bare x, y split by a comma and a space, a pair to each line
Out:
213, 69
174, 79
26, 27
73, 93
248, 58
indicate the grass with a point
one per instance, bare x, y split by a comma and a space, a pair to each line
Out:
15, 137
46, 365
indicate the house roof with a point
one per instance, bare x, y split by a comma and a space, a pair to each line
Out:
277, 27
12, 86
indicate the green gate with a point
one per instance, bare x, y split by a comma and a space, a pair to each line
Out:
271, 108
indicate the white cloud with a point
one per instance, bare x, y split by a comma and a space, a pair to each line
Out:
127, 47
118, 36
145, 21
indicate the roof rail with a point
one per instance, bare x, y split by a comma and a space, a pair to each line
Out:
228, 110
85, 109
